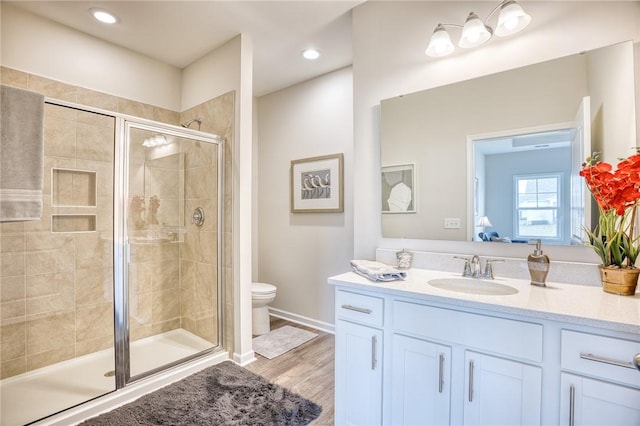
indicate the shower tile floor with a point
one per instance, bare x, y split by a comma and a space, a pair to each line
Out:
39, 393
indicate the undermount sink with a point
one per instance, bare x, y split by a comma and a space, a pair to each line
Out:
472, 286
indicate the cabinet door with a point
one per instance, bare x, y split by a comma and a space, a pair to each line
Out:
595, 402
500, 391
358, 374
421, 385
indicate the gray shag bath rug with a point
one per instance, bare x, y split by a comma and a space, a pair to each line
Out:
225, 394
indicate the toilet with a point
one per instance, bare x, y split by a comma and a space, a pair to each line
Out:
261, 295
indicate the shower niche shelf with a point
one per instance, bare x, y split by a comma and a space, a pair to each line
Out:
74, 195
73, 188
73, 223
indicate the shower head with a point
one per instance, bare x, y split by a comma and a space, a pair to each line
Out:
186, 124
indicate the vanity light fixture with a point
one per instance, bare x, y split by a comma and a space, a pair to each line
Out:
311, 54
475, 32
103, 16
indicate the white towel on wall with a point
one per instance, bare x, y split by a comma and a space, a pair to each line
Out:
21, 154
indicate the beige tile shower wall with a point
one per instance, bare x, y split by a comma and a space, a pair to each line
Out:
154, 288
56, 289
217, 117
154, 268
199, 253
56, 298
164, 186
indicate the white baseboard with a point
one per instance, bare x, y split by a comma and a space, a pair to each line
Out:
244, 359
299, 319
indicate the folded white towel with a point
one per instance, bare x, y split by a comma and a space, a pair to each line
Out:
377, 271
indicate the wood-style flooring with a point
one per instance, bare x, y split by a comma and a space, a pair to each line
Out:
307, 370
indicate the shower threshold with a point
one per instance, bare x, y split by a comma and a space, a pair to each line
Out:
39, 393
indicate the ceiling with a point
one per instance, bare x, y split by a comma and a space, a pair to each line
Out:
180, 32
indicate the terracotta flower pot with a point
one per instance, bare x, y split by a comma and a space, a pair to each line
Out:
621, 281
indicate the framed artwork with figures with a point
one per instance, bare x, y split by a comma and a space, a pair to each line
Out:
317, 184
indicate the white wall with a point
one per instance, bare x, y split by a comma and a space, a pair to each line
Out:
388, 42
242, 205
42, 47
298, 251
213, 75
604, 86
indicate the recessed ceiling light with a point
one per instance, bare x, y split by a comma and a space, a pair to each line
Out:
103, 16
310, 54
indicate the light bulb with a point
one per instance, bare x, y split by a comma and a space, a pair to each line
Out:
512, 19
103, 16
474, 32
310, 54
440, 43
510, 23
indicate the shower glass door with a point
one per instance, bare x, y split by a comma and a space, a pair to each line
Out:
172, 222
56, 282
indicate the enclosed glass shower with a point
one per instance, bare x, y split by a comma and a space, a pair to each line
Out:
121, 277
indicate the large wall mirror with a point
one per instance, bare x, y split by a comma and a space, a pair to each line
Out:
498, 156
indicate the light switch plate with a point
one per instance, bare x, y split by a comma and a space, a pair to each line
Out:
451, 223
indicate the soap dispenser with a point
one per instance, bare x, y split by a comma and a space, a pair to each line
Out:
538, 265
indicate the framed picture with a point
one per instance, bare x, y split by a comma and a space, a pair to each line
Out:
316, 184
399, 189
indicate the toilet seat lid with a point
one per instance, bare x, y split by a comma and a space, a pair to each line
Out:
263, 288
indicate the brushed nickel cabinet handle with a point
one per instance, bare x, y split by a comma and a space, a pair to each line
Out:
470, 381
374, 361
441, 373
572, 405
636, 360
606, 360
357, 309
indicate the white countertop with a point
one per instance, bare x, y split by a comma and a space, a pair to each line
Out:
576, 304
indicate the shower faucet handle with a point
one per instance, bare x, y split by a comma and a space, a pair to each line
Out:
197, 218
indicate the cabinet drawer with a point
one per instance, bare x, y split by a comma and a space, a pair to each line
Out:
600, 356
359, 308
504, 336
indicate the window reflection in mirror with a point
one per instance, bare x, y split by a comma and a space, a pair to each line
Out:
527, 186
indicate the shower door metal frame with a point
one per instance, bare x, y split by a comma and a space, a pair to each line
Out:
123, 123
122, 253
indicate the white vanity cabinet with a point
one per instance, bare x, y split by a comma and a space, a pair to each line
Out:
493, 388
358, 368
420, 382
408, 353
501, 391
599, 383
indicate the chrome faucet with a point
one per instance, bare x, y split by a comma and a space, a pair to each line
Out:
476, 267
473, 267
488, 269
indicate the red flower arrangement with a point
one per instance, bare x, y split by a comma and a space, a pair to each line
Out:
617, 194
